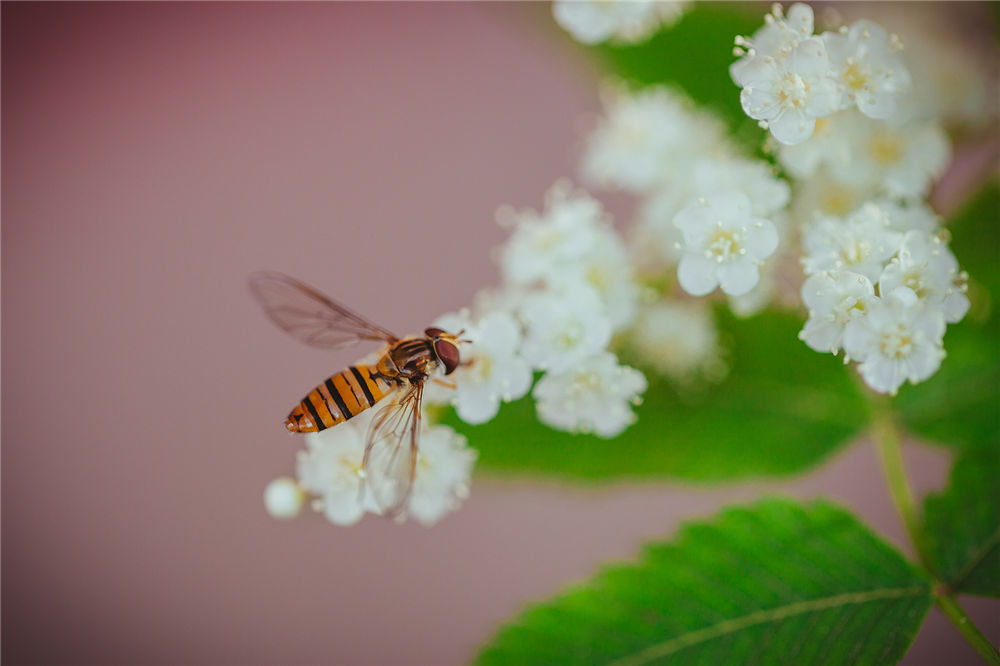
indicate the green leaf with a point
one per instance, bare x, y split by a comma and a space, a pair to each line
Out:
959, 405
695, 55
775, 582
963, 525
782, 409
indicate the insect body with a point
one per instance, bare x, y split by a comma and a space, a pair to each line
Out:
398, 376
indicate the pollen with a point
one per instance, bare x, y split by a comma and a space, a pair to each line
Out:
896, 344
886, 149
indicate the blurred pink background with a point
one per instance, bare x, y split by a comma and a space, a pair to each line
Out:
156, 154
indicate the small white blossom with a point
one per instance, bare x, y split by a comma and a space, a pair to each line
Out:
862, 243
491, 371
779, 35
330, 468
834, 299
723, 245
767, 193
594, 395
541, 245
869, 68
677, 339
898, 157
594, 21
648, 138
821, 196
789, 93
444, 467
927, 267
897, 340
911, 216
283, 498
562, 328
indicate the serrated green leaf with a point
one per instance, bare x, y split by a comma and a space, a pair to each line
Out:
775, 582
783, 409
960, 404
963, 524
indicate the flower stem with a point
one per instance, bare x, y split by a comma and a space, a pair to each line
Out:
971, 633
887, 440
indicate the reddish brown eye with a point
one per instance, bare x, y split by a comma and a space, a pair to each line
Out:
433, 332
448, 353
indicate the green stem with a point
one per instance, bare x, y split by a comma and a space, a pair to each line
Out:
971, 633
887, 441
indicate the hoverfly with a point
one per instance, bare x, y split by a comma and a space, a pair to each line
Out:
390, 457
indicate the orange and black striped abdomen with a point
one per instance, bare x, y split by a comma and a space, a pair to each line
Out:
345, 394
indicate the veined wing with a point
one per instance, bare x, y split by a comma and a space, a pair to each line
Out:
390, 461
309, 316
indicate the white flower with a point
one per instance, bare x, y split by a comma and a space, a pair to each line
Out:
283, 498
767, 193
593, 21
330, 468
869, 68
677, 339
648, 138
897, 340
562, 328
542, 245
789, 93
444, 466
491, 370
822, 196
594, 395
911, 216
778, 36
926, 266
899, 157
723, 245
862, 243
834, 299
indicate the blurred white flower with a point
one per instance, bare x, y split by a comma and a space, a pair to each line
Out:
833, 299
594, 21
897, 340
491, 371
330, 469
909, 216
542, 245
594, 395
563, 328
648, 138
677, 339
790, 92
862, 243
444, 467
723, 244
766, 192
927, 267
898, 157
283, 498
868, 67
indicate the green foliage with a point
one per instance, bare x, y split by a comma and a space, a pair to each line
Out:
694, 55
782, 409
961, 403
776, 582
963, 525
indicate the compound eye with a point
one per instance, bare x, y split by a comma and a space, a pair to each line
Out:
448, 353
434, 332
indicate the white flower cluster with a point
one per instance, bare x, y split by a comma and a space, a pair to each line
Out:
882, 287
595, 21
568, 286
330, 472
881, 281
705, 207
790, 77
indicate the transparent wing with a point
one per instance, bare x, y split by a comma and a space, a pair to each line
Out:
309, 316
390, 461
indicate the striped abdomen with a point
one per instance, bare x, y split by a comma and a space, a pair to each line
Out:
340, 397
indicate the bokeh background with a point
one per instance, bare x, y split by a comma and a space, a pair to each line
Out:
156, 154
